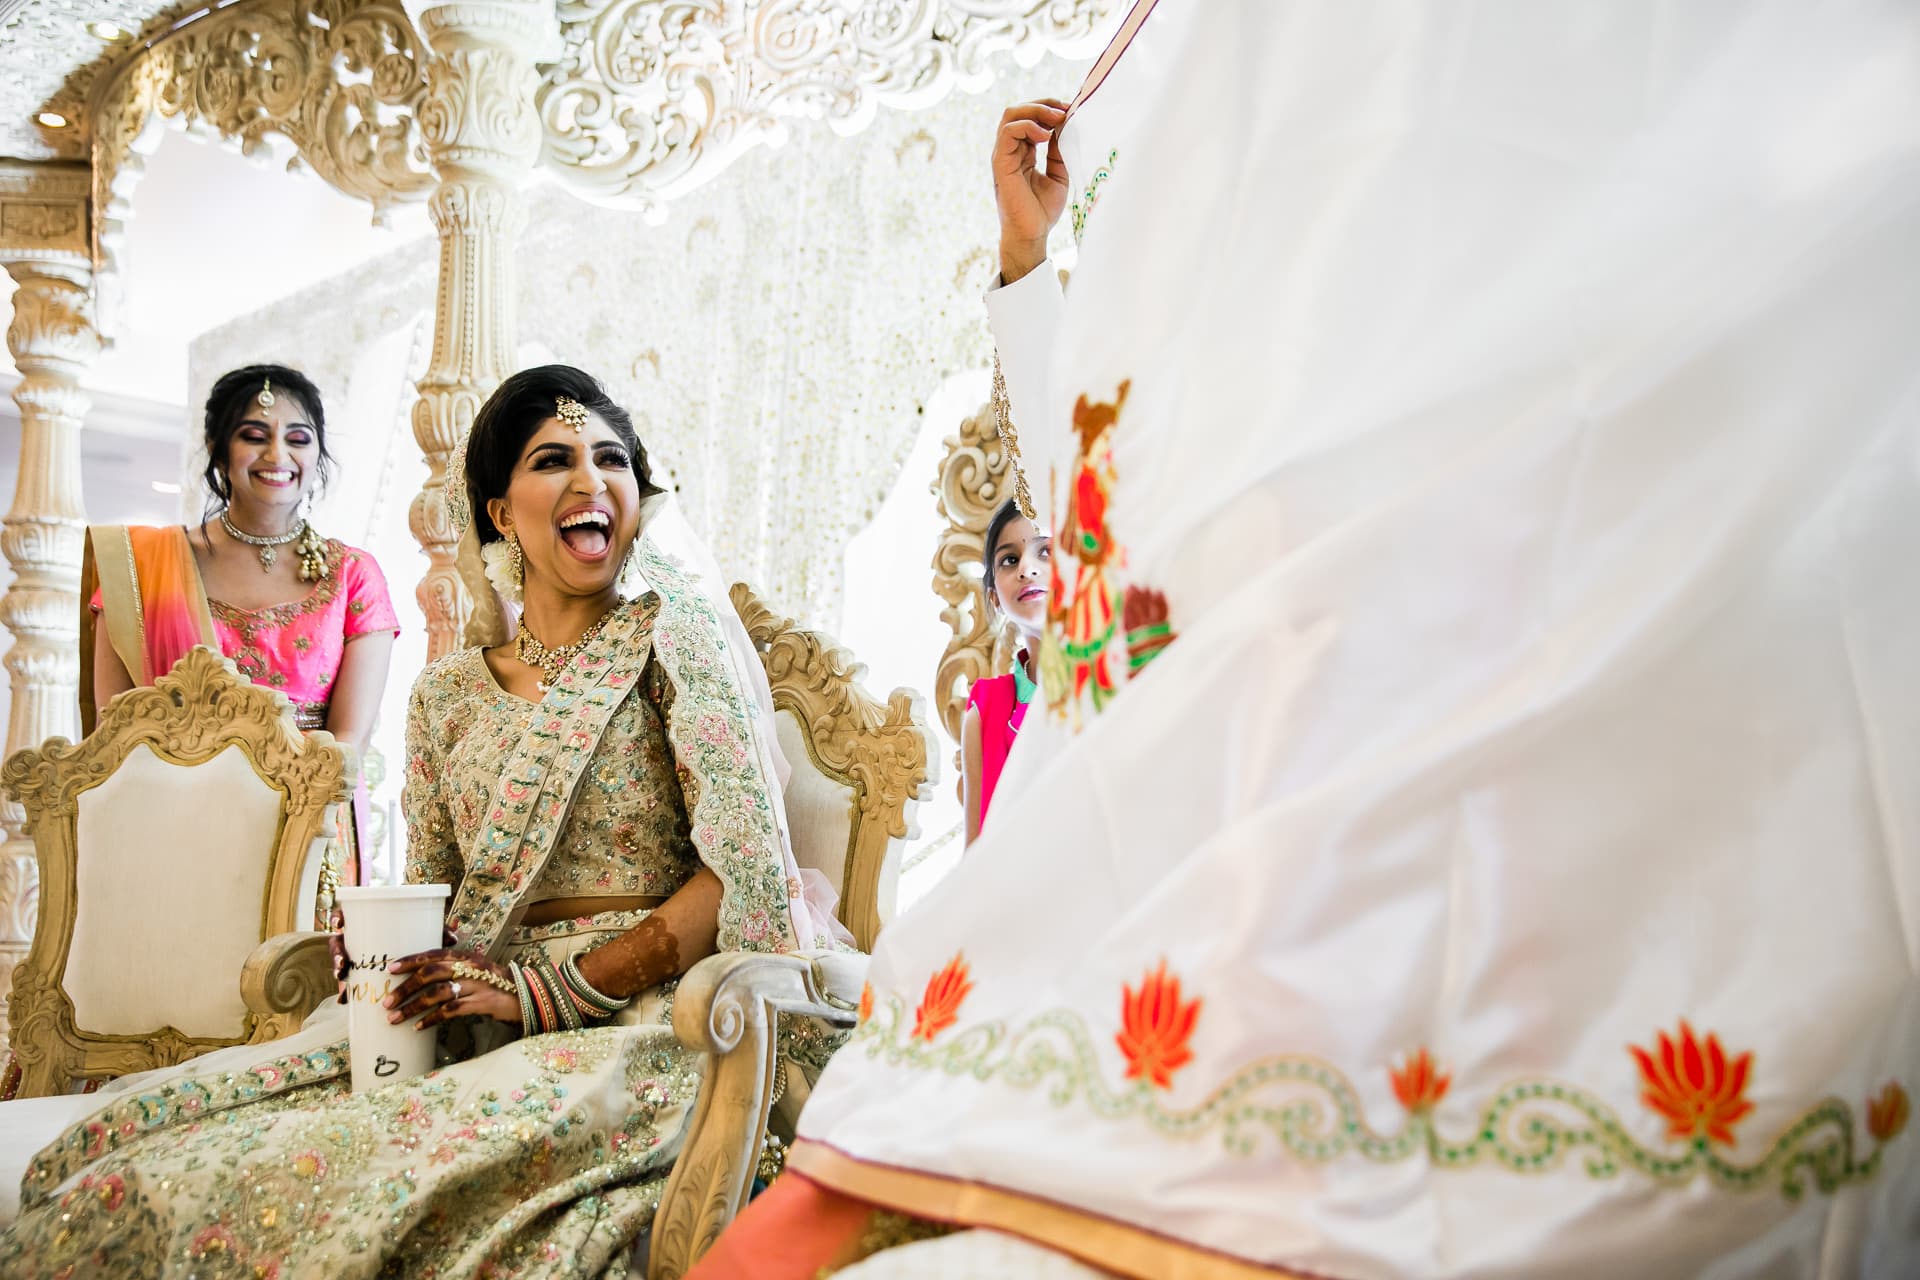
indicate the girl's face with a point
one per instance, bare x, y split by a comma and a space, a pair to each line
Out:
273, 460
1020, 574
574, 502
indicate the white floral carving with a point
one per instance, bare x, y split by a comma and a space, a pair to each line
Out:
652, 97
52, 60
338, 82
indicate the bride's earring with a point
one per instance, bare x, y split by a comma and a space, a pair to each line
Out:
505, 568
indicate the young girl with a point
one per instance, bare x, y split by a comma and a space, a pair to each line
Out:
1015, 580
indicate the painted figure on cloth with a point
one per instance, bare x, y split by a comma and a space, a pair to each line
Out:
1084, 617
602, 792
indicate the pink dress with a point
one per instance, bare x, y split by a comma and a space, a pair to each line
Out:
297, 647
1002, 704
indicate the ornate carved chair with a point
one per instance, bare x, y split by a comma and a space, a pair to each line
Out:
180, 844
859, 768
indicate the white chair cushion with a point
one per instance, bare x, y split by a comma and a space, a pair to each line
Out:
147, 838
820, 810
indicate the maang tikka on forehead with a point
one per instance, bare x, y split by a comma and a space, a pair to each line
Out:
265, 398
571, 412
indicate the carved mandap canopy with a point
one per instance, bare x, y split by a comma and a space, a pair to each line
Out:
637, 99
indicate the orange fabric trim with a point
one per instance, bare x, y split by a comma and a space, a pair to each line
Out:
1101, 1242
789, 1232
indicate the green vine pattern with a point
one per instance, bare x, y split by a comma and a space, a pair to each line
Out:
1529, 1126
1082, 208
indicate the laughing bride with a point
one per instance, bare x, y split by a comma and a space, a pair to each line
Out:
602, 794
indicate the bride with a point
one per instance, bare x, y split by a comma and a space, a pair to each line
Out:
603, 795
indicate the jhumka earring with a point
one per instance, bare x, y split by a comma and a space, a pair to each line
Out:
265, 398
571, 412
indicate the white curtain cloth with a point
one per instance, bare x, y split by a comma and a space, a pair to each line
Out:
1524, 426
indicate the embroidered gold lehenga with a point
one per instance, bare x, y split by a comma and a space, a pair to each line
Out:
545, 1156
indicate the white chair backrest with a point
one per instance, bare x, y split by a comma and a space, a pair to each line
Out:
821, 812
191, 825
140, 892
860, 766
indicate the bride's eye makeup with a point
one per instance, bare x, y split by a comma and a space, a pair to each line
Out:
549, 456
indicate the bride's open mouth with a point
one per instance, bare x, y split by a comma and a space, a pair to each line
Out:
587, 532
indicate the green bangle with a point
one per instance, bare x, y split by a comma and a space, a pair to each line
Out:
593, 1002
569, 1011
529, 1024
551, 1009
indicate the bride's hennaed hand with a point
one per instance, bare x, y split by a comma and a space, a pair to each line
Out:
433, 991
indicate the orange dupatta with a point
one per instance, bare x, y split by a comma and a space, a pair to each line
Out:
151, 600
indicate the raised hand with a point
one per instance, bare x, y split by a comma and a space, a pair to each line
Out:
1030, 197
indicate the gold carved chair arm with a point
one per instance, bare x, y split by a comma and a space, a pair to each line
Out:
728, 1007
286, 978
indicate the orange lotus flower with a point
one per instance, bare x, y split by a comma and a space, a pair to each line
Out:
866, 1001
1155, 1028
1418, 1083
1694, 1085
940, 1005
1887, 1114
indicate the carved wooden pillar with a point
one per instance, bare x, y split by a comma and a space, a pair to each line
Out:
483, 136
43, 245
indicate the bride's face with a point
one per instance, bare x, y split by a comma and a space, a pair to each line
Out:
574, 501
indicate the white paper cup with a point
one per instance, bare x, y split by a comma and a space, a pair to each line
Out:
384, 924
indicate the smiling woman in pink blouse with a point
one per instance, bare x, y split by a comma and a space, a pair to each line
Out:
305, 614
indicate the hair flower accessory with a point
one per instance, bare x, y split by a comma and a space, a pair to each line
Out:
503, 568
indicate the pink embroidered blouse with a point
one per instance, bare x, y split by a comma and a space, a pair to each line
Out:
297, 647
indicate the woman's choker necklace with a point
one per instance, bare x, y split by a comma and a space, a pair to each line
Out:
313, 560
530, 651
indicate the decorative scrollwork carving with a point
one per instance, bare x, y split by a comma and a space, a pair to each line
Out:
285, 979
340, 80
651, 97
199, 709
883, 751
971, 485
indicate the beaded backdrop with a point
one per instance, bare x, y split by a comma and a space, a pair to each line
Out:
776, 337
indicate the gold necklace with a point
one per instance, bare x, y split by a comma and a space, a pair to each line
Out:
312, 549
267, 546
530, 651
